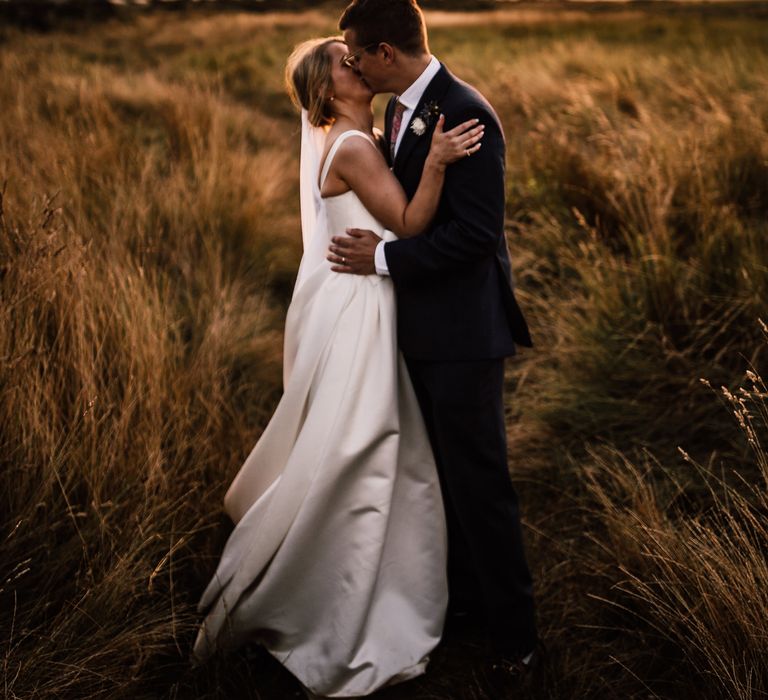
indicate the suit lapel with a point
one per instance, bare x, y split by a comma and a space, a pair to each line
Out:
435, 90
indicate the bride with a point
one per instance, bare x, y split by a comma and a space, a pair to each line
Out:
337, 562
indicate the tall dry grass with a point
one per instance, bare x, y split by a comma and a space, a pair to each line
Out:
694, 582
637, 183
148, 243
140, 336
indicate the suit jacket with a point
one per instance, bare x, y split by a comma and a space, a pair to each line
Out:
454, 286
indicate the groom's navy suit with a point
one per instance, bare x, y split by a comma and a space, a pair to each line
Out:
457, 318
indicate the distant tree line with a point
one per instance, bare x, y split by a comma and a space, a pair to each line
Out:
47, 14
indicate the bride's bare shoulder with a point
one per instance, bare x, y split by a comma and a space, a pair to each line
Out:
356, 151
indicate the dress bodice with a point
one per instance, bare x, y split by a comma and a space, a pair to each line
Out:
335, 214
346, 210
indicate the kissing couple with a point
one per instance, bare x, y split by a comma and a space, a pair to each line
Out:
378, 499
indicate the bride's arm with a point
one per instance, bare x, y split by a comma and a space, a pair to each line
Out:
365, 171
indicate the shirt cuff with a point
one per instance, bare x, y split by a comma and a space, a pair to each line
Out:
380, 260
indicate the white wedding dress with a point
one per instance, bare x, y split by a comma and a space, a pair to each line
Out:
337, 563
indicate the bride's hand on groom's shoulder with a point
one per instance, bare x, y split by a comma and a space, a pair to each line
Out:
354, 253
449, 146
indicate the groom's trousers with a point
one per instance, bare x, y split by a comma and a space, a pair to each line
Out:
462, 404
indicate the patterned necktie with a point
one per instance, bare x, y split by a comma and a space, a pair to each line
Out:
397, 120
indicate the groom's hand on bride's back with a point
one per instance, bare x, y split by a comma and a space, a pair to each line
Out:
354, 253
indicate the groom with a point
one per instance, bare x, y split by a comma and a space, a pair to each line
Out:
456, 311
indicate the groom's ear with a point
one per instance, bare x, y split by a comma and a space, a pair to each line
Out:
387, 52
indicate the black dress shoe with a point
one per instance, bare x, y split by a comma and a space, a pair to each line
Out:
512, 667
515, 666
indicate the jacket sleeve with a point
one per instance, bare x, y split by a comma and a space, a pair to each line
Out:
474, 197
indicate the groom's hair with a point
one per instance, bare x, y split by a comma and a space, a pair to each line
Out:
399, 23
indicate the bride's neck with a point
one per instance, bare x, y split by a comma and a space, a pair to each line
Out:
354, 116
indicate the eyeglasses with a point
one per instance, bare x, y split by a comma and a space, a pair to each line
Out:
350, 59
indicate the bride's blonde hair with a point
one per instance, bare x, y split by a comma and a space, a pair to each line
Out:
308, 78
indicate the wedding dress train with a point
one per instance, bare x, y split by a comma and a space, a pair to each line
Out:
337, 562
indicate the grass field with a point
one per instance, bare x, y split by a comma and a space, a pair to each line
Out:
149, 240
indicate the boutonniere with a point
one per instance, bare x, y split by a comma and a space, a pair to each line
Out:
429, 112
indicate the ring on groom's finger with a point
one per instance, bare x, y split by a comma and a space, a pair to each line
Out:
468, 152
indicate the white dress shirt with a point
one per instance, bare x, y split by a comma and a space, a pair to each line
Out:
410, 98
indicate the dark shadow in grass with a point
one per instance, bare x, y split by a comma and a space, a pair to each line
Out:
456, 671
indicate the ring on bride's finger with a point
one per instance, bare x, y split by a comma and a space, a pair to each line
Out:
343, 260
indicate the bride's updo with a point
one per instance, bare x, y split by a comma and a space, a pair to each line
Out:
308, 78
